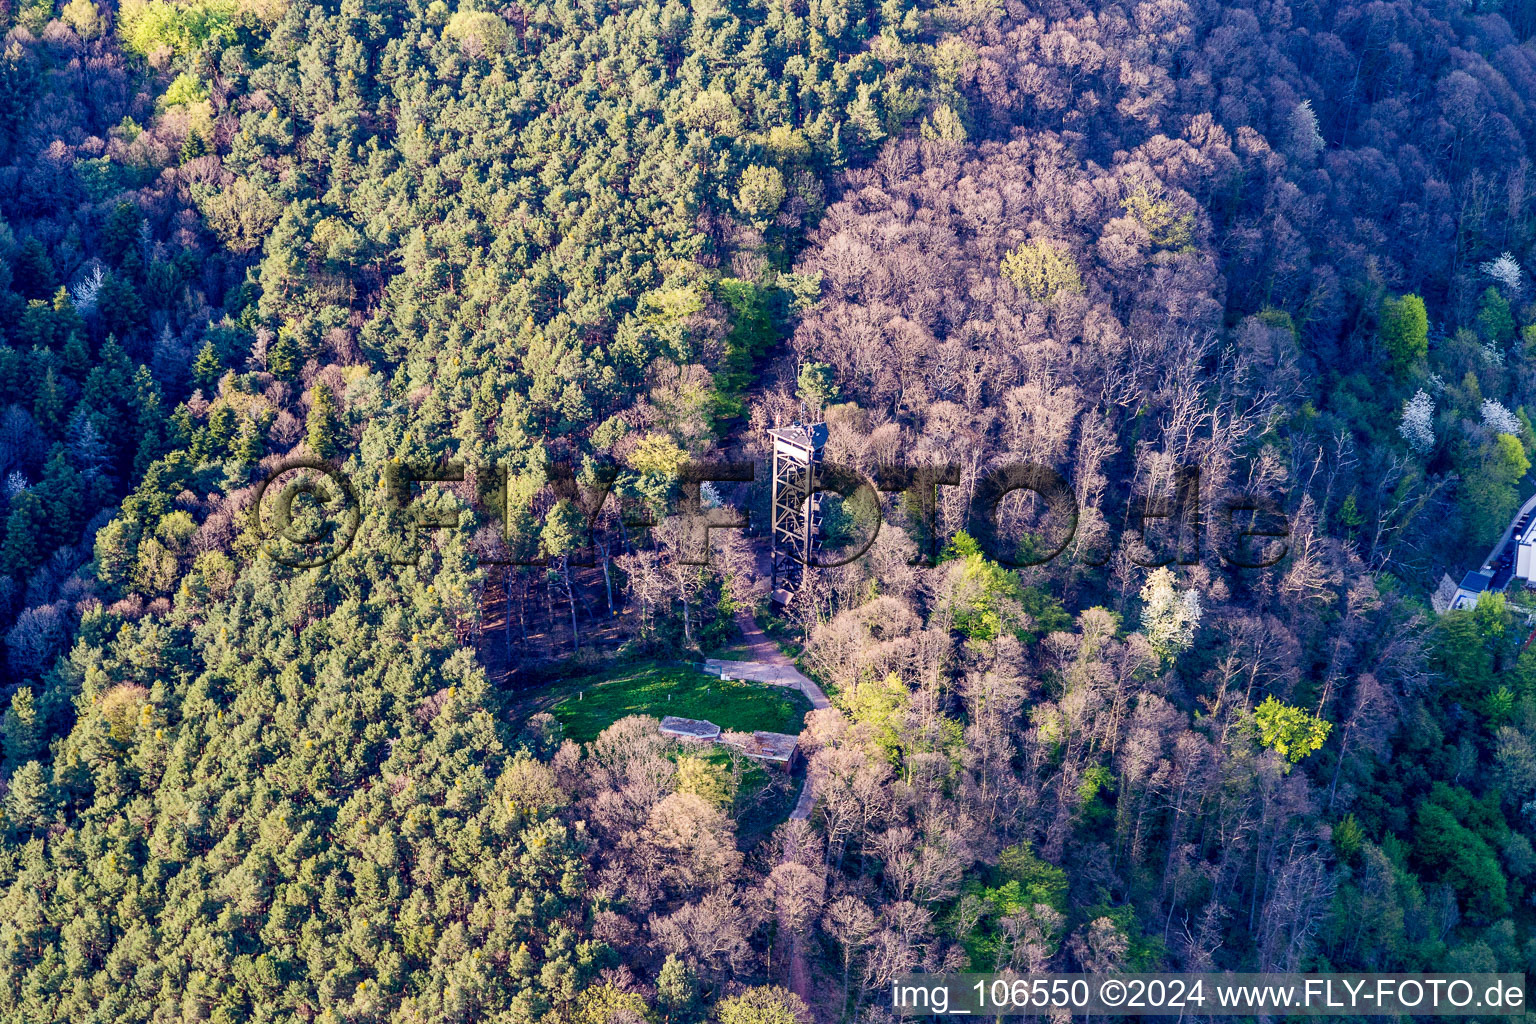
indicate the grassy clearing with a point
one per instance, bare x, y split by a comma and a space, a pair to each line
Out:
658, 689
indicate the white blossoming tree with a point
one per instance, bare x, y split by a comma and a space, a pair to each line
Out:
1305, 138
1168, 617
1418, 426
1505, 270
1499, 419
84, 294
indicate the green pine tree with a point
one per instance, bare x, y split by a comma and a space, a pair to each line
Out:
48, 406
12, 375
150, 419
208, 367
121, 232
29, 803
283, 355
676, 989
193, 146
221, 429
23, 550
323, 427
66, 320
1349, 515
77, 355
21, 728
61, 494
248, 447
110, 381
36, 329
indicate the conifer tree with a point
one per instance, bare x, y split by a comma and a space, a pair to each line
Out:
323, 426
48, 406
283, 355
77, 355
208, 367
150, 421
22, 550
28, 804
248, 446
21, 728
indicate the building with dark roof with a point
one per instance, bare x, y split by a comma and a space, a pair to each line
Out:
1512, 558
1471, 586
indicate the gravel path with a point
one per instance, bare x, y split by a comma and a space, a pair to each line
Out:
770, 665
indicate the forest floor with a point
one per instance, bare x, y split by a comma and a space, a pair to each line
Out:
522, 636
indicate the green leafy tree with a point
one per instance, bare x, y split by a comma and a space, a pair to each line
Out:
1404, 331
882, 705
1495, 322
145, 26
1450, 839
479, 31
763, 1004
1042, 270
1168, 228
1289, 731
704, 779
1490, 487
761, 194
658, 455
983, 598
84, 17
1348, 837
1041, 882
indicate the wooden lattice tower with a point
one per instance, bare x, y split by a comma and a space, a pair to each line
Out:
796, 504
